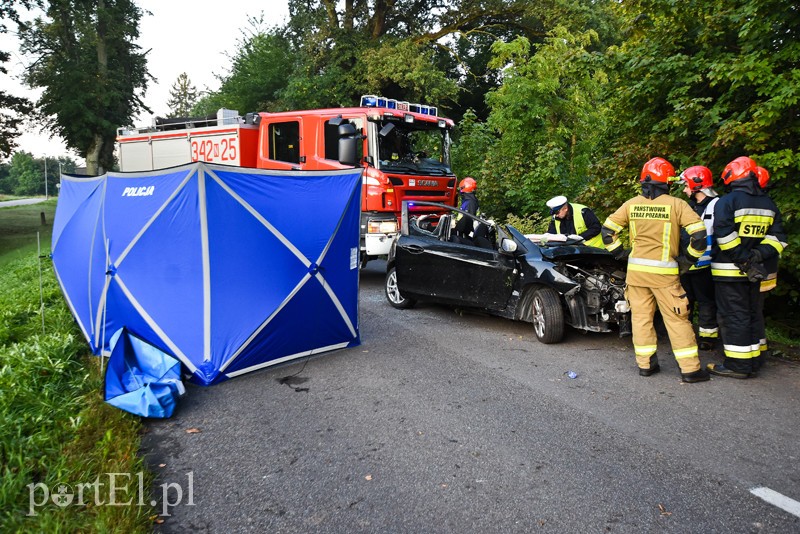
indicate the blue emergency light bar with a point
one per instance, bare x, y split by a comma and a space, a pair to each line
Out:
373, 101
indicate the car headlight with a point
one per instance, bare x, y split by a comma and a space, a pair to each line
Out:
382, 227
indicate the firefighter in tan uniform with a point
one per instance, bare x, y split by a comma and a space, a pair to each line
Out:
655, 220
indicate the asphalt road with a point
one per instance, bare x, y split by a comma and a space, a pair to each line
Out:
20, 202
442, 422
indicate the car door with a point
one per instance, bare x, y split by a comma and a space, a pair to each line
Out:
432, 267
482, 277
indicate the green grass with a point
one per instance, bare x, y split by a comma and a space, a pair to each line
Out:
55, 427
19, 226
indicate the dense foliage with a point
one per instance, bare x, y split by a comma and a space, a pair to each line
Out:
25, 175
329, 53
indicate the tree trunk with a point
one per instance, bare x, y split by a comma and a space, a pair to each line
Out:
347, 22
330, 9
93, 167
96, 151
378, 20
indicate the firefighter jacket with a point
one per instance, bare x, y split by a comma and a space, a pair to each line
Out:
655, 227
580, 220
745, 220
470, 204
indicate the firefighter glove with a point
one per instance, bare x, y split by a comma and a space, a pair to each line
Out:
755, 256
684, 263
753, 267
622, 254
756, 272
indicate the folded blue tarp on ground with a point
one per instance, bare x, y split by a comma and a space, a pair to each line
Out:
140, 378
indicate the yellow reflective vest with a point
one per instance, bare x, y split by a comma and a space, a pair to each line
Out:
580, 226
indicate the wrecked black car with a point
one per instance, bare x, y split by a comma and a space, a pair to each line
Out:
500, 271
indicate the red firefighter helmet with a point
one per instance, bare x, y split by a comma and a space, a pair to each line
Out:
657, 170
741, 167
697, 178
467, 185
763, 177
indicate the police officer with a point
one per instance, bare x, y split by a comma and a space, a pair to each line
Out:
699, 187
655, 219
574, 219
748, 230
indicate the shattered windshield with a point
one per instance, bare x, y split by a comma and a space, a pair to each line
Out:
417, 148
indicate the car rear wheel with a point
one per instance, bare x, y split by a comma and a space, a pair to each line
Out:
393, 294
548, 315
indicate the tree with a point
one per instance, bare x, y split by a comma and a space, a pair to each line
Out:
5, 183
474, 143
258, 73
331, 53
25, 175
182, 97
12, 108
545, 116
93, 76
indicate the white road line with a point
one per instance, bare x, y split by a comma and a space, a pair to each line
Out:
776, 499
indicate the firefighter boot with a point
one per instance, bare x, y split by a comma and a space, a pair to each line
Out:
706, 343
653, 369
720, 370
701, 375
757, 363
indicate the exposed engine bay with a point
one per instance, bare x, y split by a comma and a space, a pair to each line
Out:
599, 300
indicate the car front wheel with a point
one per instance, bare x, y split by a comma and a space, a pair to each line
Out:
548, 315
393, 294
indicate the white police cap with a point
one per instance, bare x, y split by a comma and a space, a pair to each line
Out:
556, 203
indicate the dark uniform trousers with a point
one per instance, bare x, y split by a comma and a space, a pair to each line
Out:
699, 286
738, 305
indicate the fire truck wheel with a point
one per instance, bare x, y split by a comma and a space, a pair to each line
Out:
393, 294
548, 315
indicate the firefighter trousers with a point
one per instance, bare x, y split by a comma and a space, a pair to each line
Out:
674, 307
699, 286
738, 305
761, 326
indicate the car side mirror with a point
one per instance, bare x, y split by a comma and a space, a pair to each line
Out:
508, 245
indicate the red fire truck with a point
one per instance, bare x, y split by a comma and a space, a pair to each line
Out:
403, 147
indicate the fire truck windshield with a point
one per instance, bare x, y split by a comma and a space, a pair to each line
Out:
414, 148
